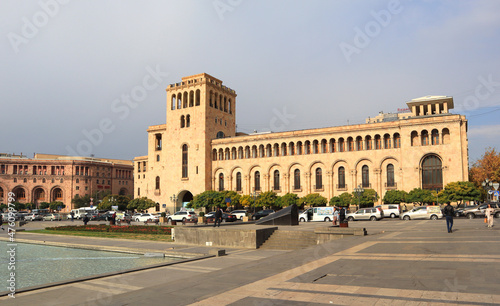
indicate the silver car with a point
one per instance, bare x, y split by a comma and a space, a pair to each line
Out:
423, 212
371, 213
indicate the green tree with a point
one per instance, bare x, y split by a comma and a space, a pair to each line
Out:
344, 200
54, 205
208, 199
459, 192
420, 196
141, 204
288, 200
19, 206
114, 200
29, 206
266, 199
367, 198
3, 207
44, 205
79, 201
314, 199
246, 200
395, 197
233, 195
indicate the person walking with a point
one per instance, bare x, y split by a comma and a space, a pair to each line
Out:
335, 216
1, 222
72, 214
490, 214
341, 214
86, 220
449, 212
218, 217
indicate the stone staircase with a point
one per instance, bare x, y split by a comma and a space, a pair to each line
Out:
290, 240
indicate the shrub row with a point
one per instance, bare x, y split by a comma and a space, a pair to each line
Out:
136, 229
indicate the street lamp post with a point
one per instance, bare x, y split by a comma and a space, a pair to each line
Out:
174, 199
359, 191
254, 194
488, 186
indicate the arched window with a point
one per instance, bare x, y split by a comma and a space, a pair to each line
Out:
157, 157
157, 185
414, 138
341, 145
220, 134
254, 151
183, 121
315, 147
221, 182
269, 150
214, 154
215, 100
397, 141
257, 181
425, 138
211, 99
299, 148
185, 100
174, 102
365, 176
387, 141
179, 101
378, 142
240, 152
435, 137
138, 192
341, 184
261, 151
225, 104
319, 178
432, 173
188, 120
291, 145
191, 98
238, 181
229, 106
324, 146
198, 97
221, 107
184, 161
359, 143
227, 154
276, 180
233, 153
276, 149
368, 142
350, 144
446, 136
307, 147
332, 145
296, 179
390, 175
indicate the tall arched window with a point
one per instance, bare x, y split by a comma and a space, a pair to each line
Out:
179, 101
390, 175
198, 93
174, 102
319, 178
210, 99
276, 180
230, 109
257, 181
183, 121
191, 98
238, 181
387, 141
435, 137
341, 184
185, 100
425, 138
157, 185
184, 161
432, 173
221, 182
397, 141
296, 179
188, 120
365, 176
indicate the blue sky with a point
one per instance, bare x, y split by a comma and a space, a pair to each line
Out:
67, 67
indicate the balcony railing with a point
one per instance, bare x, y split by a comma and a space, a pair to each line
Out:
391, 186
342, 187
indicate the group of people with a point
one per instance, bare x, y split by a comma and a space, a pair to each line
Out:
449, 213
338, 215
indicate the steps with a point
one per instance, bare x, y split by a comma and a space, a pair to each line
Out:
290, 240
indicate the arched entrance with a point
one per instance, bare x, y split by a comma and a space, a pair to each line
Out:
57, 194
20, 194
184, 197
432, 173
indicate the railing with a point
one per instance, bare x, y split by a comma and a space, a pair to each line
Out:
392, 186
342, 187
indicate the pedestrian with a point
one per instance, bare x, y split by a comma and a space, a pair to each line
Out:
449, 212
341, 214
335, 216
490, 213
218, 217
85, 220
1, 222
72, 214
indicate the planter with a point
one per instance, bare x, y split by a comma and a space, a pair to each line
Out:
245, 219
173, 222
344, 224
201, 219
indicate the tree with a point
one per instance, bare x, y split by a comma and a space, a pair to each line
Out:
233, 195
344, 200
395, 197
140, 204
114, 200
487, 167
246, 200
420, 196
3, 207
207, 199
266, 199
19, 206
367, 198
79, 201
56, 205
44, 205
314, 199
288, 200
459, 192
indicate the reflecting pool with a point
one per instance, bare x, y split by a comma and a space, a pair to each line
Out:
41, 264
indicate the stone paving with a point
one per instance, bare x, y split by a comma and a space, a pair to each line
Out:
397, 263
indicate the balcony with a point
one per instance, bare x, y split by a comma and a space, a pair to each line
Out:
342, 187
391, 186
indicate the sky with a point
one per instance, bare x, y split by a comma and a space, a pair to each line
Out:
89, 77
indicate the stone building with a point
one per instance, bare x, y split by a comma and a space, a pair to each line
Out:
47, 178
198, 149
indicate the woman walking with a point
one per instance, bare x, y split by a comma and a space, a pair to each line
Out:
490, 214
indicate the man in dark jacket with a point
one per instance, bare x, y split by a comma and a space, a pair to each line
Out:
449, 212
218, 216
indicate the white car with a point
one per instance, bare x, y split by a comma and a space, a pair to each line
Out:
52, 217
182, 216
33, 217
423, 212
145, 217
239, 213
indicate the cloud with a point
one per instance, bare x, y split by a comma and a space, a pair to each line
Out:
487, 131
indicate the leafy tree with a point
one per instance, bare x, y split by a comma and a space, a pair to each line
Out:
267, 199
79, 201
314, 199
140, 204
233, 195
3, 207
395, 197
246, 200
420, 196
114, 200
366, 199
459, 192
288, 200
44, 205
54, 205
344, 200
487, 167
19, 206
208, 199
29, 206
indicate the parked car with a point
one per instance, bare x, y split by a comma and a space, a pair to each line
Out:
370, 213
317, 214
145, 217
226, 217
33, 217
239, 213
182, 216
423, 212
479, 210
52, 217
390, 210
262, 213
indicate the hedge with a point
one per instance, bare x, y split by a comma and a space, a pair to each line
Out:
136, 229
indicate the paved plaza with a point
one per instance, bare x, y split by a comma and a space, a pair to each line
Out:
397, 263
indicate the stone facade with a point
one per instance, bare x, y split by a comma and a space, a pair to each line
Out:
47, 178
198, 149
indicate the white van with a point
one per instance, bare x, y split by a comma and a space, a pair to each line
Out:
79, 213
390, 210
317, 214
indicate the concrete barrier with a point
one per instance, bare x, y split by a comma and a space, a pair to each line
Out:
333, 233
